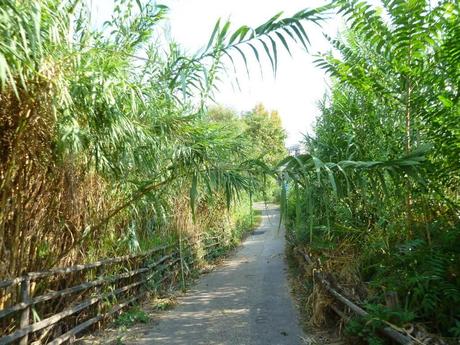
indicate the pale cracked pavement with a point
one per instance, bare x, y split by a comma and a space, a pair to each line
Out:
246, 301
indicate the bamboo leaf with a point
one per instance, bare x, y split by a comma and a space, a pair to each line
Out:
214, 32
283, 41
267, 51
275, 53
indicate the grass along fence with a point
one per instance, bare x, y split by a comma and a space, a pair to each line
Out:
53, 306
346, 305
321, 277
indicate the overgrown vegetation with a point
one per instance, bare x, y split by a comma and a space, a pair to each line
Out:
376, 197
106, 142
108, 146
264, 135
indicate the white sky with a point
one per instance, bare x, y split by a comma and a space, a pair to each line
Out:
298, 86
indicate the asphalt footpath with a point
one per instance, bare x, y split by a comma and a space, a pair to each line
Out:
245, 301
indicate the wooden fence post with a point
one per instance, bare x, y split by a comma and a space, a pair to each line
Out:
25, 314
144, 288
100, 290
183, 286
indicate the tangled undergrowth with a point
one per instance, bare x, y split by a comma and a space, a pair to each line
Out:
374, 196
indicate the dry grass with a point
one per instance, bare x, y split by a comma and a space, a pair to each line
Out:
343, 262
46, 204
321, 326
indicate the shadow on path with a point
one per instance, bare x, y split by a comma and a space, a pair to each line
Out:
244, 301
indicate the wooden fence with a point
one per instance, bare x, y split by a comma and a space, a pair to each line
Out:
320, 276
52, 307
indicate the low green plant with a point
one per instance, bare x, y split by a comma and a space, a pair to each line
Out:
132, 316
367, 327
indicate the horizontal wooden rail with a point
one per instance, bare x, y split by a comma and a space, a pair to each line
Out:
77, 268
212, 245
24, 306
164, 268
10, 282
167, 276
67, 312
79, 288
88, 323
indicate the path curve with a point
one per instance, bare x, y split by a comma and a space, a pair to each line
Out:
246, 301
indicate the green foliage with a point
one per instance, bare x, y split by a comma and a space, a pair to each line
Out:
245, 222
381, 174
266, 37
105, 129
406, 67
425, 276
261, 136
132, 316
367, 327
265, 134
266, 142
456, 329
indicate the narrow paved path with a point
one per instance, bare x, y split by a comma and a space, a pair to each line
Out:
246, 301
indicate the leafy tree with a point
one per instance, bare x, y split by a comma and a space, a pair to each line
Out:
265, 134
266, 142
223, 115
